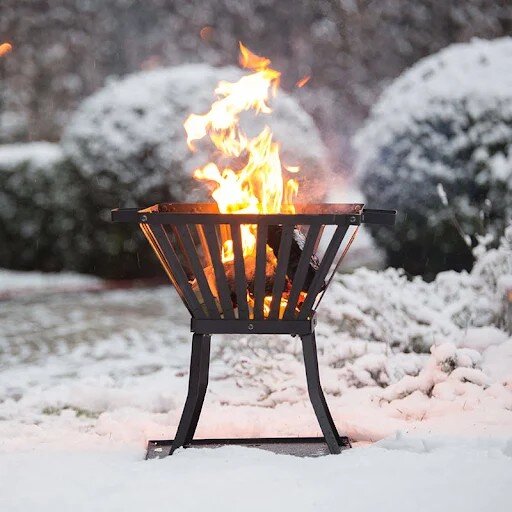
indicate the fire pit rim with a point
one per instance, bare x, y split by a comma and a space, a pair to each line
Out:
317, 213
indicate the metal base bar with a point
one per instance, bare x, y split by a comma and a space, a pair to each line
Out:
297, 446
198, 383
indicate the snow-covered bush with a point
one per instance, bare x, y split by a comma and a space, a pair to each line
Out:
46, 219
128, 139
438, 147
30, 180
412, 315
446, 373
128, 147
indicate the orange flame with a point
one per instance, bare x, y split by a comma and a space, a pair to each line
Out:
5, 48
303, 81
258, 186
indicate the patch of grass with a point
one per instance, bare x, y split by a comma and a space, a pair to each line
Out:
79, 412
52, 411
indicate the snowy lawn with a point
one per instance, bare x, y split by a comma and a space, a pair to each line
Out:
87, 377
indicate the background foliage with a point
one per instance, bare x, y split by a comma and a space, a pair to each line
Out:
68, 55
65, 49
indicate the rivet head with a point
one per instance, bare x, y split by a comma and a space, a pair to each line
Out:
352, 219
250, 327
144, 218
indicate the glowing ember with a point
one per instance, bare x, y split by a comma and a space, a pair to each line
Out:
5, 48
257, 186
303, 81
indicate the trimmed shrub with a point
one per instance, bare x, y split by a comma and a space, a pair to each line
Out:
438, 147
29, 183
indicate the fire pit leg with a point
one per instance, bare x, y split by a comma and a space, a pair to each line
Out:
316, 394
197, 384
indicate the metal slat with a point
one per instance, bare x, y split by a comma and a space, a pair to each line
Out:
338, 263
202, 282
323, 269
282, 263
204, 245
261, 264
180, 250
301, 272
177, 270
240, 280
220, 272
152, 241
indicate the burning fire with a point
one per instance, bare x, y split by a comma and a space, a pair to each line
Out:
257, 186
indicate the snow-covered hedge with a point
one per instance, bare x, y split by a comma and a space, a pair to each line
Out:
29, 183
438, 147
49, 221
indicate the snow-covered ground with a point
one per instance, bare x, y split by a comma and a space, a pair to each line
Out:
87, 377
18, 283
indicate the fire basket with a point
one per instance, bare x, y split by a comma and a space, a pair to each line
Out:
276, 291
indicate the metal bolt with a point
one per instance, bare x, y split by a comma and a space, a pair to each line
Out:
250, 327
352, 219
144, 218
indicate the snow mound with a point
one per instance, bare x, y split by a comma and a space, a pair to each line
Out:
468, 309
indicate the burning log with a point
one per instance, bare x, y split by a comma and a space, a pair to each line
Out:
250, 277
298, 240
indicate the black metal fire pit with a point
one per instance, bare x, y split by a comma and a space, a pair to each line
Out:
277, 293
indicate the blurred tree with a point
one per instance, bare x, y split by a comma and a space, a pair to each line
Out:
64, 49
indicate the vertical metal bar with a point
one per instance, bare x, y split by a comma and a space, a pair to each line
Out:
301, 272
191, 250
338, 263
152, 241
180, 250
261, 264
224, 233
319, 237
204, 245
323, 269
282, 264
177, 270
316, 394
220, 272
240, 279
197, 385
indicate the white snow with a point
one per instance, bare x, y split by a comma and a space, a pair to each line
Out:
86, 378
401, 474
13, 282
38, 155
